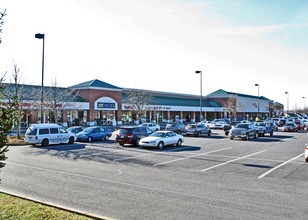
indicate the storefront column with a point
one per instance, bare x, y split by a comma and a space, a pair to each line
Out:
181, 116
194, 117
168, 116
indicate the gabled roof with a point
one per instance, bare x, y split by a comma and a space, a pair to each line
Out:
173, 99
33, 92
220, 93
96, 84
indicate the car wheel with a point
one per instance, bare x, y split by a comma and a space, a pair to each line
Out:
137, 143
209, 133
107, 137
71, 140
45, 143
121, 144
272, 133
160, 145
226, 133
306, 159
257, 135
90, 139
247, 137
179, 143
231, 138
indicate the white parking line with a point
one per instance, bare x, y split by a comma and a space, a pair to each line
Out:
185, 158
230, 161
280, 165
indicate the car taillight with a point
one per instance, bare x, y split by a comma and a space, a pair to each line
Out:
130, 135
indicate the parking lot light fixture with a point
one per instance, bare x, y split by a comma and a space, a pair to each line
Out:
304, 111
200, 72
287, 93
42, 36
258, 100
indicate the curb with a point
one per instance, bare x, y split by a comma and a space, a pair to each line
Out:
53, 205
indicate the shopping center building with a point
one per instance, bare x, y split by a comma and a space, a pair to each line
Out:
96, 102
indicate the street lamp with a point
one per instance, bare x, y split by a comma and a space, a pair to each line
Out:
258, 100
304, 105
42, 36
287, 93
200, 72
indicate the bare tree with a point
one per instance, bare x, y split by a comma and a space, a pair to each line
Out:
2, 14
233, 105
58, 99
16, 92
140, 101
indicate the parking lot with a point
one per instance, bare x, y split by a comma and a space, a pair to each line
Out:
259, 157
248, 175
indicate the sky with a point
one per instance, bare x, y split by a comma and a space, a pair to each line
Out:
159, 44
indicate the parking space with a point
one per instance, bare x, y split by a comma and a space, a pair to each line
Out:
280, 156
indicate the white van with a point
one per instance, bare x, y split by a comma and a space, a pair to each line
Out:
45, 134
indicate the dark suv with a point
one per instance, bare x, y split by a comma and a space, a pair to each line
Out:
131, 134
176, 127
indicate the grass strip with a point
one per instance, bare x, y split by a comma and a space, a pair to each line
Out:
14, 208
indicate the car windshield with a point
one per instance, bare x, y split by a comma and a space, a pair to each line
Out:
158, 134
31, 131
123, 131
260, 124
170, 125
241, 126
88, 130
144, 125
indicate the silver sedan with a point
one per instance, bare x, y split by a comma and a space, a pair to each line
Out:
160, 139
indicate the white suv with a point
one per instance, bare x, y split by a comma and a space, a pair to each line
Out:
46, 134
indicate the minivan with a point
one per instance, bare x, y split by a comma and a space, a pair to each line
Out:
45, 134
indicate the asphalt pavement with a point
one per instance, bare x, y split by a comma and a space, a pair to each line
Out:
206, 178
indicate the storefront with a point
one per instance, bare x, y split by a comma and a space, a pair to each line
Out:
100, 103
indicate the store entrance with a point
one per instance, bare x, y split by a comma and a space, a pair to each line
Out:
106, 117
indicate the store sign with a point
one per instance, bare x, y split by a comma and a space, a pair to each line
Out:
105, 105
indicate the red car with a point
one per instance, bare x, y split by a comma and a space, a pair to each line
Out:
300, 126
290, 126
131, 134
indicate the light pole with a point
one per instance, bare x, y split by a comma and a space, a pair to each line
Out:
200, 72
287, 93
304, 105
258, 100
42, 36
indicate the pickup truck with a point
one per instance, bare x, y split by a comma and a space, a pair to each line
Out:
228, 127
264, 128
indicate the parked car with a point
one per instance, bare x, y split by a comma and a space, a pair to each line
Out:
151, 126
176, 127
290, 126
264, 128
228, 127
162, 138
94, 133
282, 122
45, 134
217, 123
300, 125
306, 153
243, 131
131, 134
197, 130
76, 129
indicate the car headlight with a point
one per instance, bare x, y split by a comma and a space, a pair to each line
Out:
243, 132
